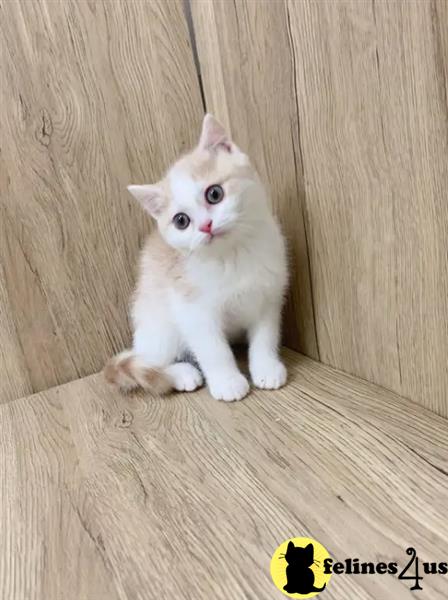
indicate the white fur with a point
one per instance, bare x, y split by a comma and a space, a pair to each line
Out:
237, 281
185, 377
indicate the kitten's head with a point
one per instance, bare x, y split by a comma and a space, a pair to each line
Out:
210, 199
300, 556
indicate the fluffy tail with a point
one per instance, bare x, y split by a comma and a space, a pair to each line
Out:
127, 371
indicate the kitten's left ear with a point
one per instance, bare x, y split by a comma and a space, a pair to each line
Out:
214, 136
150, 197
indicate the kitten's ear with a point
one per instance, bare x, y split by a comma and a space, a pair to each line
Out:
214, 136
310, 549
290, 546
150, 197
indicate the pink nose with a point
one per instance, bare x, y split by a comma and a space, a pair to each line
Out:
206, 227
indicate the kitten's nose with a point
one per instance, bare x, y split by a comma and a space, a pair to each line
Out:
206, 227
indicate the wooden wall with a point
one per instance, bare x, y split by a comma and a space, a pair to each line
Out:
93, 96
343, 107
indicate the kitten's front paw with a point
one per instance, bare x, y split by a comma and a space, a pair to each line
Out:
269, 374
229, 388
184, 376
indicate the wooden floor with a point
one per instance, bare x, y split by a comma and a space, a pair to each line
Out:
104, 497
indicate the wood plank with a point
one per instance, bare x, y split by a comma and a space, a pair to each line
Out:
95, 95
189, 497
372, 99
14, 380
48, 551
349, 199
247, 71
415, 112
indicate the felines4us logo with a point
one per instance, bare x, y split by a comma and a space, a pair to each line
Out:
302, 568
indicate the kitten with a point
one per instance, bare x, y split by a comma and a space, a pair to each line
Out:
300, 577
215, 270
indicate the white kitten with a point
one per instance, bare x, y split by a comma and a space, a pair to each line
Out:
214, 271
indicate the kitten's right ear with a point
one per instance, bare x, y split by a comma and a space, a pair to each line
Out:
291, 546
213, 135
150, 197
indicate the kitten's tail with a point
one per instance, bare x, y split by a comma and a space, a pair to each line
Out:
315, 589
127, 371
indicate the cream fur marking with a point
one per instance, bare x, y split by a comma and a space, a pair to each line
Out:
199, 291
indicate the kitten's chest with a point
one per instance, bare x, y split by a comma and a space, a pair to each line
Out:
238, 276
240, 283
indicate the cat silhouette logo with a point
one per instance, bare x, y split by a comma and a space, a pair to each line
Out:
297, 568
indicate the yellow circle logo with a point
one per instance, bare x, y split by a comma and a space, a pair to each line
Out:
297, 568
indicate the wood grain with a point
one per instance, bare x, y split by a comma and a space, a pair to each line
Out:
48, 550
14, 380
105, 496
247, 68
372, 96
94, 96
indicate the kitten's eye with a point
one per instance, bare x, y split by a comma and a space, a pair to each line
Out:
181, 221
214, 194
